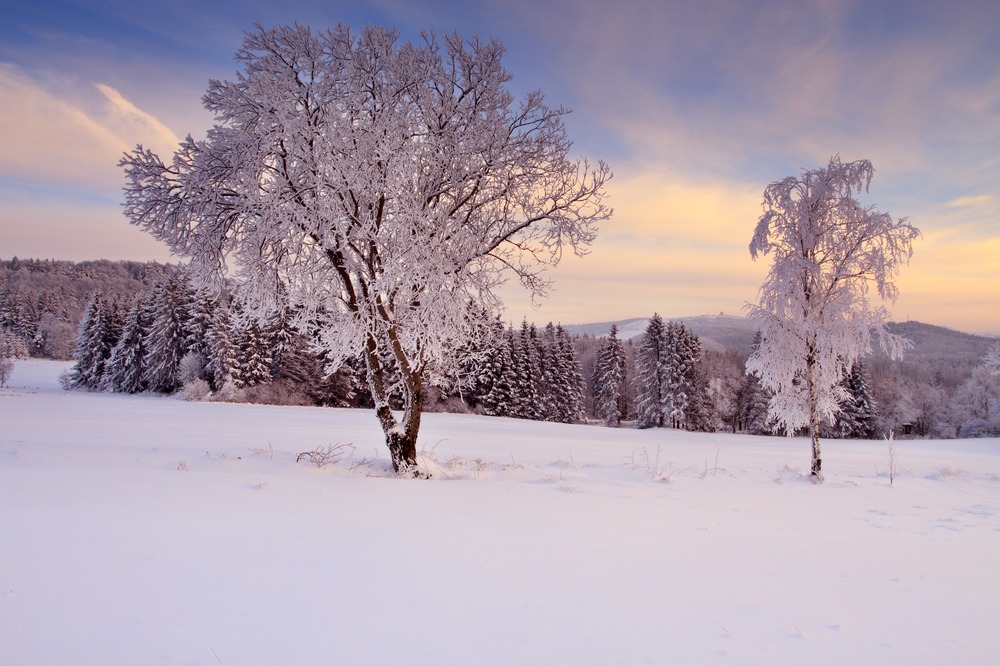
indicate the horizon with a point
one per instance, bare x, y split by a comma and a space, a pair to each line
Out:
695, 108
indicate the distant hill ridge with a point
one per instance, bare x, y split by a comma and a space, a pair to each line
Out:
722, 332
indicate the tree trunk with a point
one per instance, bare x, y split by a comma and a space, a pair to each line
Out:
400, 435
816, 473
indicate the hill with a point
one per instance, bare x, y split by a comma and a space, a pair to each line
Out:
932, 344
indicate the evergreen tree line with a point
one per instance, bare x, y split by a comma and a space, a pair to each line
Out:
669, 382
528, 374
179, 339
665, 385
43, 303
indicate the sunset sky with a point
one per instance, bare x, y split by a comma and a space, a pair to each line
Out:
696, 106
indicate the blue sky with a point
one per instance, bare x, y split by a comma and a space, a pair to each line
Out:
696, 106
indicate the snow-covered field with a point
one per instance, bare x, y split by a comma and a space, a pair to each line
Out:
148, 530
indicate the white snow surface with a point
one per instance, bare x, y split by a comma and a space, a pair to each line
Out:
149, 530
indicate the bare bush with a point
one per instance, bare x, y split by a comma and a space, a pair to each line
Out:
195, 390
330, 454
651, 465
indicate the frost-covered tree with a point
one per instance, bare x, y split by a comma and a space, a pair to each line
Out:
527, 369
125, 369
252, 364
382, 186
610, 378
497, 376
549, 379
814, 312
858, 415
569, 386
170, 308
650, 371
100, 329
992, 359
700, 412
680, 355
977, 405
220, 354
6, 357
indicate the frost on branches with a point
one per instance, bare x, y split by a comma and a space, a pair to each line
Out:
814, 311
381, 186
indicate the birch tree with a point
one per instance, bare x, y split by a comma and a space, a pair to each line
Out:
382, 186
815, 312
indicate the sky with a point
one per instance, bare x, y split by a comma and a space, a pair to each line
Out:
696, 107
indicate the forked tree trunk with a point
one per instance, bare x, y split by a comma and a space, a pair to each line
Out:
400, 435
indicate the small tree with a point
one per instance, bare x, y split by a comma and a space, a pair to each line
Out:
6, 358
992, 359
382, 186
814, 311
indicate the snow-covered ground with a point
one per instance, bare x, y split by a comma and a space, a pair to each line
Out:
148, 530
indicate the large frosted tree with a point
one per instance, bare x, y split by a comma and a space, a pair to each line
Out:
382, 186
815, 313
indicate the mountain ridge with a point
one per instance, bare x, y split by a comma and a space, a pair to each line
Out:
724, 332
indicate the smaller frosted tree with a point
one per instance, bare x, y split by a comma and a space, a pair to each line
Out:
814, 312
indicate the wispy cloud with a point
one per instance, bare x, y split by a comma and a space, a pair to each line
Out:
55, 131
131, 121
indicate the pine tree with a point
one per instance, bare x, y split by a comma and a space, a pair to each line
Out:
751, 407
202, 308
699, 414
99, 331
219, 352
651, 372
496, 375
170, 303
125, 369
548, 378
609, 379
526, 372
569, 387
675, 388
858, 416
253, 356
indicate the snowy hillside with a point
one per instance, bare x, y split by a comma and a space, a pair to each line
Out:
148, 530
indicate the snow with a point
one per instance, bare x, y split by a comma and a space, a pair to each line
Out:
148, 530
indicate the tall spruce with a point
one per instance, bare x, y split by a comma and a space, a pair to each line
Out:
609, 379
171, 306
651, 375
100, 329
569, 386
125, 369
